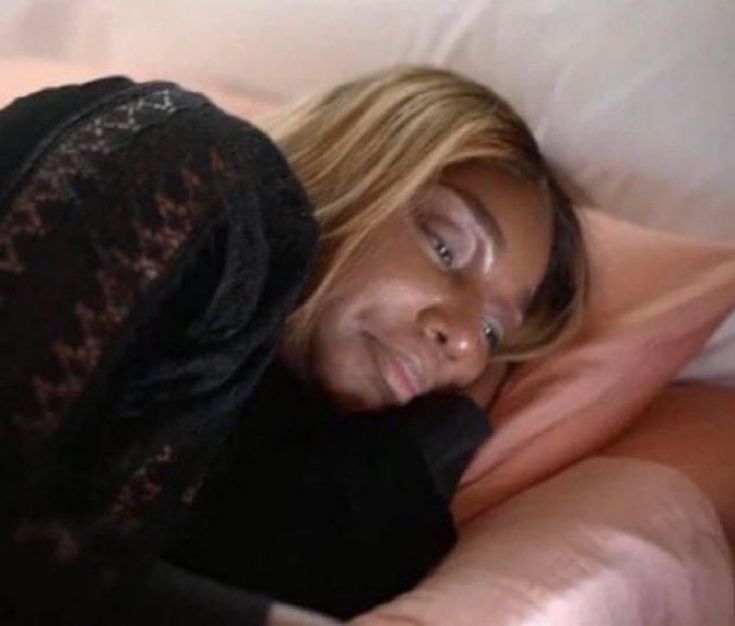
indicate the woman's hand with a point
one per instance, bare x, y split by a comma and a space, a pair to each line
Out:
485, 389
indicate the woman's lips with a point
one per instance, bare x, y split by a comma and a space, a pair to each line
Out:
397, 375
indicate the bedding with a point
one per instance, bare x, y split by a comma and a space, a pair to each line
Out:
639, 334
716, 362
608, 542
547, 540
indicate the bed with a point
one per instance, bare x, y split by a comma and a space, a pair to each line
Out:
590, 504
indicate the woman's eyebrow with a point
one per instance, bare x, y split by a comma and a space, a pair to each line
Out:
482, 215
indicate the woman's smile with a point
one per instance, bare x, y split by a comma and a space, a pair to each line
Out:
400, 375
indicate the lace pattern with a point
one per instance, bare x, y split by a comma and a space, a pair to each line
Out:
41, 207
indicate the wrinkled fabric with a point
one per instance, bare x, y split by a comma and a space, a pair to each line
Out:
607, 542
655, 300
603, 542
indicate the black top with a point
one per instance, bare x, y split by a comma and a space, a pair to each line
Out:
156, 460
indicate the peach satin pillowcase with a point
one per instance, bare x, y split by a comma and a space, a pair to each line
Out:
654, 301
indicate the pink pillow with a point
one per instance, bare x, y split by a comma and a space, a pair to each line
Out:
654, 301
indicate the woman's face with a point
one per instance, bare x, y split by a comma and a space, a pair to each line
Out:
432, 294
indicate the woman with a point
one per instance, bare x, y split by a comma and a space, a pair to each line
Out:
185, 324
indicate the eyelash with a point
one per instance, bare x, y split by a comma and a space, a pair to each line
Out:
489, 331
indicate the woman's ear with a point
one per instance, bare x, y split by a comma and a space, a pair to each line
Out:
485, 389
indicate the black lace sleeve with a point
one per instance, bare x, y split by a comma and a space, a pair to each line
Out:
150, 249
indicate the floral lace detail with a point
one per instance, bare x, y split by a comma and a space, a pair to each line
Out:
159, 238
74, 158
143, 487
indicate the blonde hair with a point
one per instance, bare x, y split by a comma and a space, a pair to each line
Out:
368, 149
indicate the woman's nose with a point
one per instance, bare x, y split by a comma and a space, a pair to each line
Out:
457, 333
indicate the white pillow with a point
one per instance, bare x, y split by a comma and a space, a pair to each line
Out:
634, 101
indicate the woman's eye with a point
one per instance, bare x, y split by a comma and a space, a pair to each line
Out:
494, 335
445, 254
443, 251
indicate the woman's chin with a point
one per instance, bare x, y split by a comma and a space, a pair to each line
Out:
355, 401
